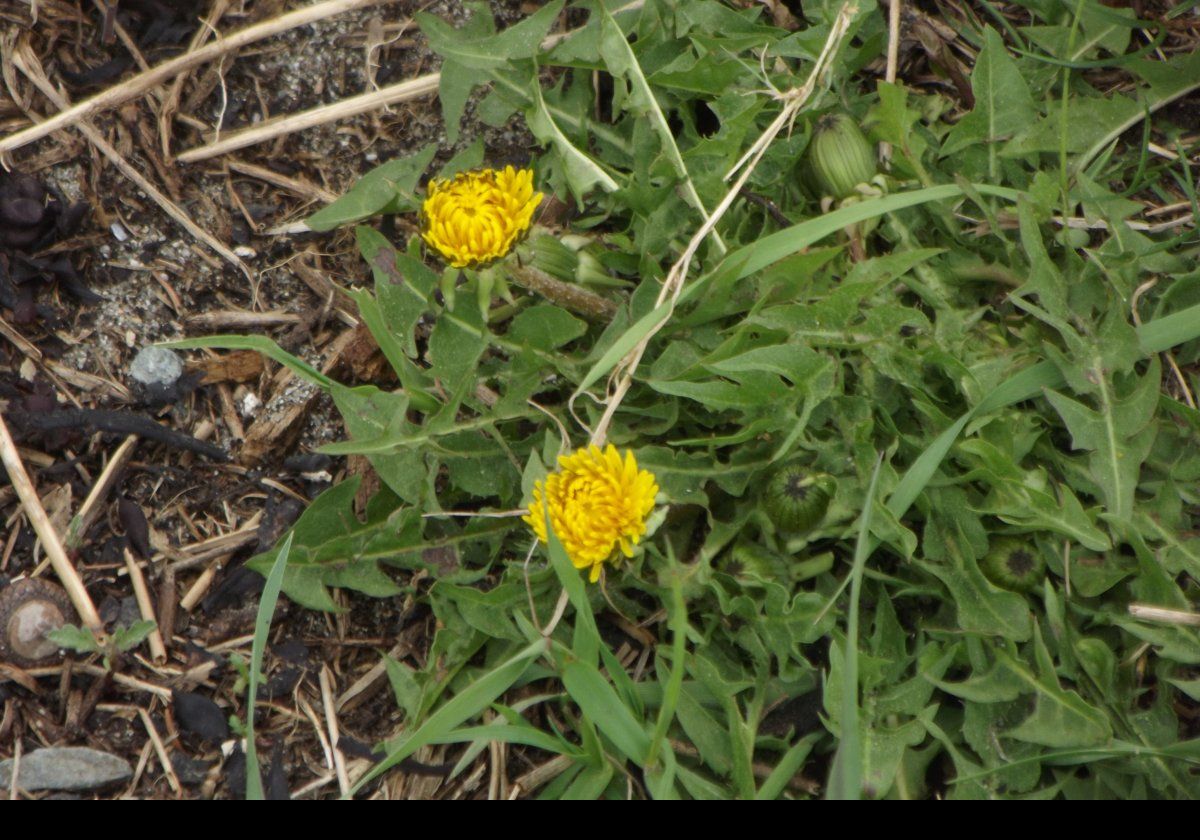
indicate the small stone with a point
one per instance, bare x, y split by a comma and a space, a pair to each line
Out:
66, 768
130, 613
191, 771
198, 715
156, 367
250, 404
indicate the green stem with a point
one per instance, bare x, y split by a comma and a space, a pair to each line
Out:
1063, 176
575, 298
678, 623
987, 271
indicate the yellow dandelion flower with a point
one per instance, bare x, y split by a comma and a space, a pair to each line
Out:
598, 504
478, 216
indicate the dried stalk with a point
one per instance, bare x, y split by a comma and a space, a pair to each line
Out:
160, 750
32, 506
1162, 615
95, 498
199, 589
893, 59
331, 721
240, 319
141, 592
170, 102
355, 105
294, 185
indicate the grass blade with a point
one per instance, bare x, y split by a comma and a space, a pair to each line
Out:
666, 713
599, 701
771, 249
262, 627
846, 777
586, 642
464, 706
255, 342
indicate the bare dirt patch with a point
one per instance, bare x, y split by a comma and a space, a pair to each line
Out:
82, 301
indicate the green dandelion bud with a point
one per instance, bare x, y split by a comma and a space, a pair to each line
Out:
555, 258
591, 272
796, 499
1013, 564
839, 157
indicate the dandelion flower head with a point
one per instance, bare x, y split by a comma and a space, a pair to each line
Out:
477, 217
597, 504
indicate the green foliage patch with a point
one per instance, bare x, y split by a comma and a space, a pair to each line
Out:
991, 346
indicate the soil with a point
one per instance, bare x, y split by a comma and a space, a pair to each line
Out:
129, 276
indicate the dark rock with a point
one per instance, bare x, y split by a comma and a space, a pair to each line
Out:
130, 613
239, 584
191, 771
280, 684
235, 774
200, 716
308, 462
276, 787
293, 651
279, 514
137, 529
800, 715
23, 212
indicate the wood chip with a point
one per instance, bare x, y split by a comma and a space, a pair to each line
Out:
236, 366
278, 426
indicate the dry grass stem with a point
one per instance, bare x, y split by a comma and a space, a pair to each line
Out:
47, 533
160, 750
327, 701
304, 189
1162, 615
893, 59
141, 592
352, 107
91, 506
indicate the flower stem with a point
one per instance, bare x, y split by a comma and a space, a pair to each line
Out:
579, 300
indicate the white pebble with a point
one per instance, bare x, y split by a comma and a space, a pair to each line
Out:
250, 404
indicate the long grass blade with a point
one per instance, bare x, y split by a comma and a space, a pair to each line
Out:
262, 628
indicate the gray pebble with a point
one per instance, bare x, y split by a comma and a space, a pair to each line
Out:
156, 367
66, 768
